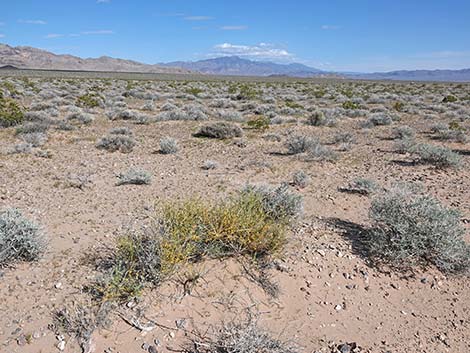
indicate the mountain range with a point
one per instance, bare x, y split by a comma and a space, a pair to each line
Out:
32, 58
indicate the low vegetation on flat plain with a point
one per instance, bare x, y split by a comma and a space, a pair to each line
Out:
316, 209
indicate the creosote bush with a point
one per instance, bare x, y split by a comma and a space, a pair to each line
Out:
220, 130
252, 223
410, 230
20, 238
11, 113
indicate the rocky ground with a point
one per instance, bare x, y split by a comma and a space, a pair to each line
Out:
330, 295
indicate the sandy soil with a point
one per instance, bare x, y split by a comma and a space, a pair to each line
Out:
328, 291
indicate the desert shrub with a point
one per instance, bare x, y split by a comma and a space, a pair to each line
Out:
134, 177
378, 119
246, 92
252, 223
33, 127
344, 137
112, 143
450, 99
11, 113
121, 131
399, 106
230, 115
259, 123
318, 118
65, 126
168, 145
148, 106
278, 203
405, 145
20, 238
296, 144
89, 100
410, 229
80, 117
220, 130
35, 139
402, 132
80, 320
239, 337
349, 105
300, 179
318, 152
439, 156
361, 186
208, 165
21, 148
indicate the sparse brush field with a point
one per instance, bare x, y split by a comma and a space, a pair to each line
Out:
228, 216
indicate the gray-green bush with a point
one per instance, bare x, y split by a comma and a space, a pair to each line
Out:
20, 238
409, 230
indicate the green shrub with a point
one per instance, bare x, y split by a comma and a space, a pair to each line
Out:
450, 99
20, 239
259, 123
350, 105
89, 100
410, 230
11, 113
252, 223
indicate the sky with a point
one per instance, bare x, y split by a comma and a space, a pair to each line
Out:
333, 35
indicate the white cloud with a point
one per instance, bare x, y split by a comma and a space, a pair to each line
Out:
2, 35
53, 35
98, 32
198, 18
33, 22
259, 51
330, 27
233, 28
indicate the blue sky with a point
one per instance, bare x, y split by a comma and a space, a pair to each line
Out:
343, 35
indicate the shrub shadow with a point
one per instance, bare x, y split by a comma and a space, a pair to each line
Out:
355, 233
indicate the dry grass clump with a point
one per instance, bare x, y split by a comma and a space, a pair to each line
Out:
20, 238
253, 223
239, 337
410, 230
220, 130
439, 156
80, 320
168, 145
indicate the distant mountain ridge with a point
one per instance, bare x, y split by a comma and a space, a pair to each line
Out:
462, 75
23, 57
33, 58
236, 66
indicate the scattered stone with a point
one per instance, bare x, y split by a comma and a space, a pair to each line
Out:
152, 349
61, 345
145, 346
21, 340
338, 307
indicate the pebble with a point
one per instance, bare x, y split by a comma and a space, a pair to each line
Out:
58, 285
145, 346
152, 349
338, 307
21, 340
61, 345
